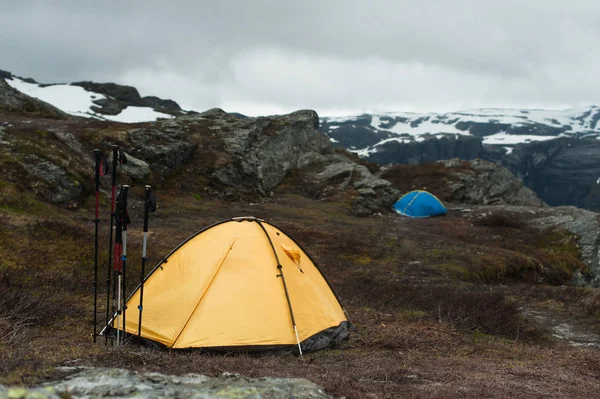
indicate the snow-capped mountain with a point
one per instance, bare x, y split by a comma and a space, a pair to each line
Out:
371, 134
556, 153
106, 101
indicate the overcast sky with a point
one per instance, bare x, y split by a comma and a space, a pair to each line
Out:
334, 56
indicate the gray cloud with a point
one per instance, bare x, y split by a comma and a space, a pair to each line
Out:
339, 56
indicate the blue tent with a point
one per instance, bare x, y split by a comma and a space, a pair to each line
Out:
419, 204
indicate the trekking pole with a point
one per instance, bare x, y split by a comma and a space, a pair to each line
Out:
117, 157
121, 221
99, 170
125, 222
149, 206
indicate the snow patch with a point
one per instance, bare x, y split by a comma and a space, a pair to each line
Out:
137, 114
71, 99
77, 101
505, 138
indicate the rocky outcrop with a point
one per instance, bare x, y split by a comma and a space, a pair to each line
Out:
216, 152
586, 226
121, 383
55, 184
373, 193
253, 156
12, 100
165, 152
487, 183
119, 97
476, 182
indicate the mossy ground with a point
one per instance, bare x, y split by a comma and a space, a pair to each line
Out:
423, 329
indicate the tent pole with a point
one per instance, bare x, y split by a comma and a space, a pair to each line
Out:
287, 295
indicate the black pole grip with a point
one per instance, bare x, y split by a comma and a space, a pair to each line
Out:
147, 205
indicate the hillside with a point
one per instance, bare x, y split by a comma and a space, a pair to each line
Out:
105, 101
483, 302
554, 152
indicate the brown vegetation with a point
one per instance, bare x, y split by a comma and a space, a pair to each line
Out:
437, 303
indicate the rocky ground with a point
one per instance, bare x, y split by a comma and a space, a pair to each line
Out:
122, 383
485, 302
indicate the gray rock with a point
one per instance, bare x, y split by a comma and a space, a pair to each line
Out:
489, 184
374, 194
121, 383
265, 150
586, 226
28, 393
134, 168
60, 187
165, 152
2, 136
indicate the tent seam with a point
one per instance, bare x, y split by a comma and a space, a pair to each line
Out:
205, 291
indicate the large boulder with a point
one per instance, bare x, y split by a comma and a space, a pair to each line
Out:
164, 150
121, 383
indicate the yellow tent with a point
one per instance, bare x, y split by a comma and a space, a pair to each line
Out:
239, 284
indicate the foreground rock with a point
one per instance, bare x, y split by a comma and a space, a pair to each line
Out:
120, 383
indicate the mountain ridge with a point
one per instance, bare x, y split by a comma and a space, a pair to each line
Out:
108, 101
